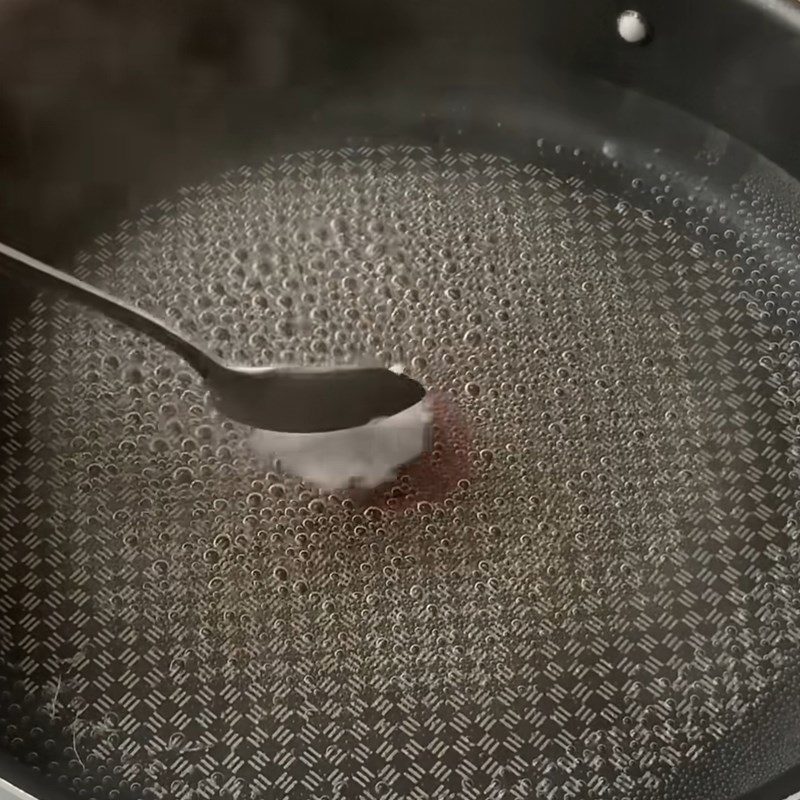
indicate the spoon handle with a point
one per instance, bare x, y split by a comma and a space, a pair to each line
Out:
20, 266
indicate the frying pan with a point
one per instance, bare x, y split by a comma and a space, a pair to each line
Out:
585, 247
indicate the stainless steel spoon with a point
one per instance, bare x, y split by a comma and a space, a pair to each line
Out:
288, 399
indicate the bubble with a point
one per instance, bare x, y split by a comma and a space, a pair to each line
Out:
473, 337
472, 389
159, 445
133, 374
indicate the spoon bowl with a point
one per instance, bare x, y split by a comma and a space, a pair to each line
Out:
310, 399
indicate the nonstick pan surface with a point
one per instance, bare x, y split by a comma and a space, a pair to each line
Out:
589, 588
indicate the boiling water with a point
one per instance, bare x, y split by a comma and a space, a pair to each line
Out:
552, 599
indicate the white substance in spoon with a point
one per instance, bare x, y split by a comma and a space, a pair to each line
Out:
362, 457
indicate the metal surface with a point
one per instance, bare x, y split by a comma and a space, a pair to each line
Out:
590, 590
11, 792
286, 398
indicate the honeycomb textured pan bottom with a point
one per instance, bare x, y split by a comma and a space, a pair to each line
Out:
593, 591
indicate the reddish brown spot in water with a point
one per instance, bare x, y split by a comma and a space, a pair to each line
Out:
436, 473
